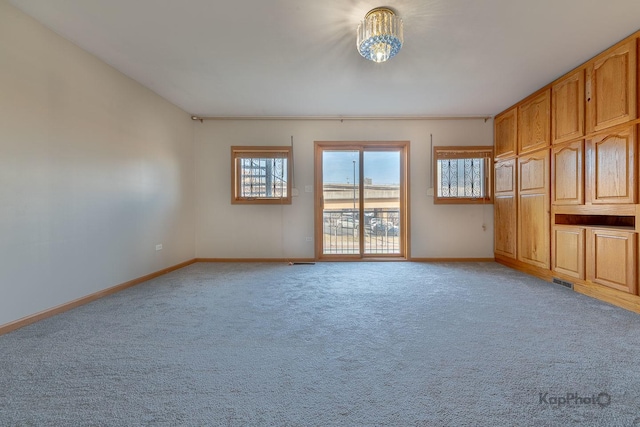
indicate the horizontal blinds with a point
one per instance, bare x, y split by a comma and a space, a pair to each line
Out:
261, 153
463, 152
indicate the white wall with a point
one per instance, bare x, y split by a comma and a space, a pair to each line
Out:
247, 231
95, 170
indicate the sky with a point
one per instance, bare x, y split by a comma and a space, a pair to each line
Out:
383, 167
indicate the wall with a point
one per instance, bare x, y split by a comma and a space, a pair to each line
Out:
95, 170
253, 231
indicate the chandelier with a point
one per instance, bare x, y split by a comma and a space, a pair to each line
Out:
380, 35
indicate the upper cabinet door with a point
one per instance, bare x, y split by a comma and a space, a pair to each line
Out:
611, 87
612, 167
567, 185
567, 108
534, 127
505, 177
506, 131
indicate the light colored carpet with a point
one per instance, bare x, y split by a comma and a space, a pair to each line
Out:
344, 344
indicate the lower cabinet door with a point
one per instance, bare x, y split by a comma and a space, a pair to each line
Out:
611, 259
568, 251
504, 208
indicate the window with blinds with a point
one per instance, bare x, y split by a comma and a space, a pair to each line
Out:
463, 174
261, 175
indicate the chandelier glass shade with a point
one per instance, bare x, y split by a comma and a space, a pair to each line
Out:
380, 35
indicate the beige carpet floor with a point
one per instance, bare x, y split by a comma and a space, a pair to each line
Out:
331, 344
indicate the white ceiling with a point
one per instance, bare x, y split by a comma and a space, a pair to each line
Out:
298, 57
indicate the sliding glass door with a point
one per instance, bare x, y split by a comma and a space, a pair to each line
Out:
361, 200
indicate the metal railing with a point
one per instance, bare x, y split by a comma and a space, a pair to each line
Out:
342, 228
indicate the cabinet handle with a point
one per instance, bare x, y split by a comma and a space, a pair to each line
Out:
587, 88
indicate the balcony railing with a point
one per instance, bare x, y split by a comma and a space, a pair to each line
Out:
342, 228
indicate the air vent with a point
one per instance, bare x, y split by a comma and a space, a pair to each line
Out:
564, 283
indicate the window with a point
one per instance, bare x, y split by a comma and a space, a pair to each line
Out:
463, 174
261, 175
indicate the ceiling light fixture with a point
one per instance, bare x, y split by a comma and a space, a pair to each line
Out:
380, 35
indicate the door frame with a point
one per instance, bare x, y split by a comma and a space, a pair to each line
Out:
361, 147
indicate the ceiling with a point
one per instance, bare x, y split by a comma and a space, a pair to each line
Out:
298, 57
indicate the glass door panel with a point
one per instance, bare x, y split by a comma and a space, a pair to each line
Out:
382, 223
341, 202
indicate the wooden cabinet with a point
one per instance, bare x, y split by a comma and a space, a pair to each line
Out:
533, 209
568, 251
611, 168
567, 108
611, 87
504, 208
567, 166
566, 200
534, 117
506, 131
609, 176
612, 256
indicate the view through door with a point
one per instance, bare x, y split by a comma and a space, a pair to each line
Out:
362, 200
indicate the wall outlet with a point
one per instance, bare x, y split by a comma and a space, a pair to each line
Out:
309, 239
295, 192
159, 247
308, 188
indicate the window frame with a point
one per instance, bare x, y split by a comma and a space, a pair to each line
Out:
464, 152
261, 152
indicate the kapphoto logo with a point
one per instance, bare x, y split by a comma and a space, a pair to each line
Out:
574, 399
